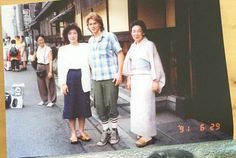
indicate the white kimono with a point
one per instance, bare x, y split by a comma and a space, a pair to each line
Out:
143, 64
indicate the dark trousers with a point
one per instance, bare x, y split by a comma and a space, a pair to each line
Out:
105, 99
15, 64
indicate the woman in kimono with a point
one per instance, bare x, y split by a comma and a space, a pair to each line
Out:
145, 77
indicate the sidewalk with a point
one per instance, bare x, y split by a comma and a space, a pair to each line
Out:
94, 128
215, 149
169, 131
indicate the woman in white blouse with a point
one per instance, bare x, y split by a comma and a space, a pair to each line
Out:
46, 82
74, 78
145, 77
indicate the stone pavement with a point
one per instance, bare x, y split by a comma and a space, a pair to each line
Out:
171, 129
213, 149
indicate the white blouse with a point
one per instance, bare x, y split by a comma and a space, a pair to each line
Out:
42, 54
74, 57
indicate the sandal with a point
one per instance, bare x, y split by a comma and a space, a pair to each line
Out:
74, 140
84, 137
142, 143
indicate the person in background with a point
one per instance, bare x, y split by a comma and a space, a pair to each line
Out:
106, 64
22, 48
142, 63
27, 47
7, 46
46, 84
74, 79
14, 56
17, 38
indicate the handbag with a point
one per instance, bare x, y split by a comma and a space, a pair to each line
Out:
41, 73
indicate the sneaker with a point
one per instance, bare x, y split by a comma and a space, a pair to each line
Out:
50, 104
114, 136
41, 103
104, 138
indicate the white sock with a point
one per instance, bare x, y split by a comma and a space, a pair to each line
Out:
114, 122
105, 125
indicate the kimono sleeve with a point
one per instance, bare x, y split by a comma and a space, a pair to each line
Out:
156, 66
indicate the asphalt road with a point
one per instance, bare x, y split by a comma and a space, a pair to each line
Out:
35, 130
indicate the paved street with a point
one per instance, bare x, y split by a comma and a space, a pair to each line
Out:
40, 131
35, 130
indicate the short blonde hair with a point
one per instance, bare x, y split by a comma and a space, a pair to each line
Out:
97, 18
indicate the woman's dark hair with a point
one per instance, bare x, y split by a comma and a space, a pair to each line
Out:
40, 35
139, 23
70, 27
13, 41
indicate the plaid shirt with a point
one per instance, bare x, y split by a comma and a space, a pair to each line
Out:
103, 60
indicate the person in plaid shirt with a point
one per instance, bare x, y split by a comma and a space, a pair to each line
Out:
106, 60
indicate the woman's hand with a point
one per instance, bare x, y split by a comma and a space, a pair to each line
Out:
128, 84
65, 89
50, 75
155, 86
33, 57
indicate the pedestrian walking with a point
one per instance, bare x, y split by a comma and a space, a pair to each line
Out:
145, 77
106, 63
74, 79
45, 77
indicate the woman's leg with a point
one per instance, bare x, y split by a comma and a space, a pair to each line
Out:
24, 64
42, 87
73, 137
51, 88
81, 125
82, 135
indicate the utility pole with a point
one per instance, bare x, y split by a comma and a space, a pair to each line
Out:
14, 22
20, 21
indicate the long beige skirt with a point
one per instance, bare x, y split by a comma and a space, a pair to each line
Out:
143, 108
